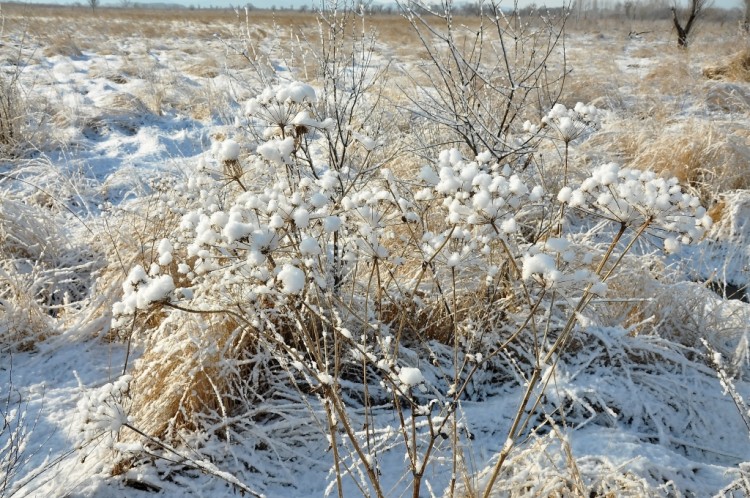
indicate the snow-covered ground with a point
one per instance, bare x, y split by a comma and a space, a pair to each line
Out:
124, 140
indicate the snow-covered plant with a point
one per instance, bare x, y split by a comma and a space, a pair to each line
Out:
323, 268
569, 124
104, 412
307, 266
17, 425
641, 200
11, 113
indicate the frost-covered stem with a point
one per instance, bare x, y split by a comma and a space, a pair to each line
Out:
239, 182
456, 373
561, 216
517, 270
342, 417
475, 368
130, 342
585, 298
508, 71
611, 248
502, 347
375, 269
517, 427
417, 473
565, 169
512, 436
413, 433
637, 235
335, 449
714, 360
336, 263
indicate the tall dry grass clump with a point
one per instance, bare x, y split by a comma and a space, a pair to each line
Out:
11, 113
701, 155
44, 274
737, 68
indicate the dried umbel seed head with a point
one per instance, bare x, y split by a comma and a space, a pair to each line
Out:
641, 198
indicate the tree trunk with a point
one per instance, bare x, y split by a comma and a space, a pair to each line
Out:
684, 32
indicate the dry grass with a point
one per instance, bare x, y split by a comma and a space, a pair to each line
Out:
207, 68
700, 155
32, 252
169, 387
600, 85
670, 75
709, 156
564, 474
737, 68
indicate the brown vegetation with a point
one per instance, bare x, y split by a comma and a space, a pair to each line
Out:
737, 68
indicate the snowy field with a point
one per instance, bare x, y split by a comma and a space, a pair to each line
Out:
296, 255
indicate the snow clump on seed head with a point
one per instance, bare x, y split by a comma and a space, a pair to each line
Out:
641, 198
569, 123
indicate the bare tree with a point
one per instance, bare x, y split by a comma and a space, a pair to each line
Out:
93, 4
696, 10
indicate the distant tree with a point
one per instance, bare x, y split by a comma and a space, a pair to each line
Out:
93, 4
629, 9
696, 10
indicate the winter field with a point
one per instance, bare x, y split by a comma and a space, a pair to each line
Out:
336, 254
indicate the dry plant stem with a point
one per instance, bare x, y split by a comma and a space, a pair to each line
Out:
486, 81
130, 342
344, 420
335, 448
587, 295
456, 373
417, 484
728, 385
434, 433
509, 442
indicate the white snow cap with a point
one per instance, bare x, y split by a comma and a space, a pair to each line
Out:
410, 376
295, 92
165, 252
292, 279
230, 150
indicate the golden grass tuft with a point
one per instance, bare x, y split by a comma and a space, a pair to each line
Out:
547, 467
701, 155
123, 103
670, 76
737, 68
29, 246
171, 384
205, 69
